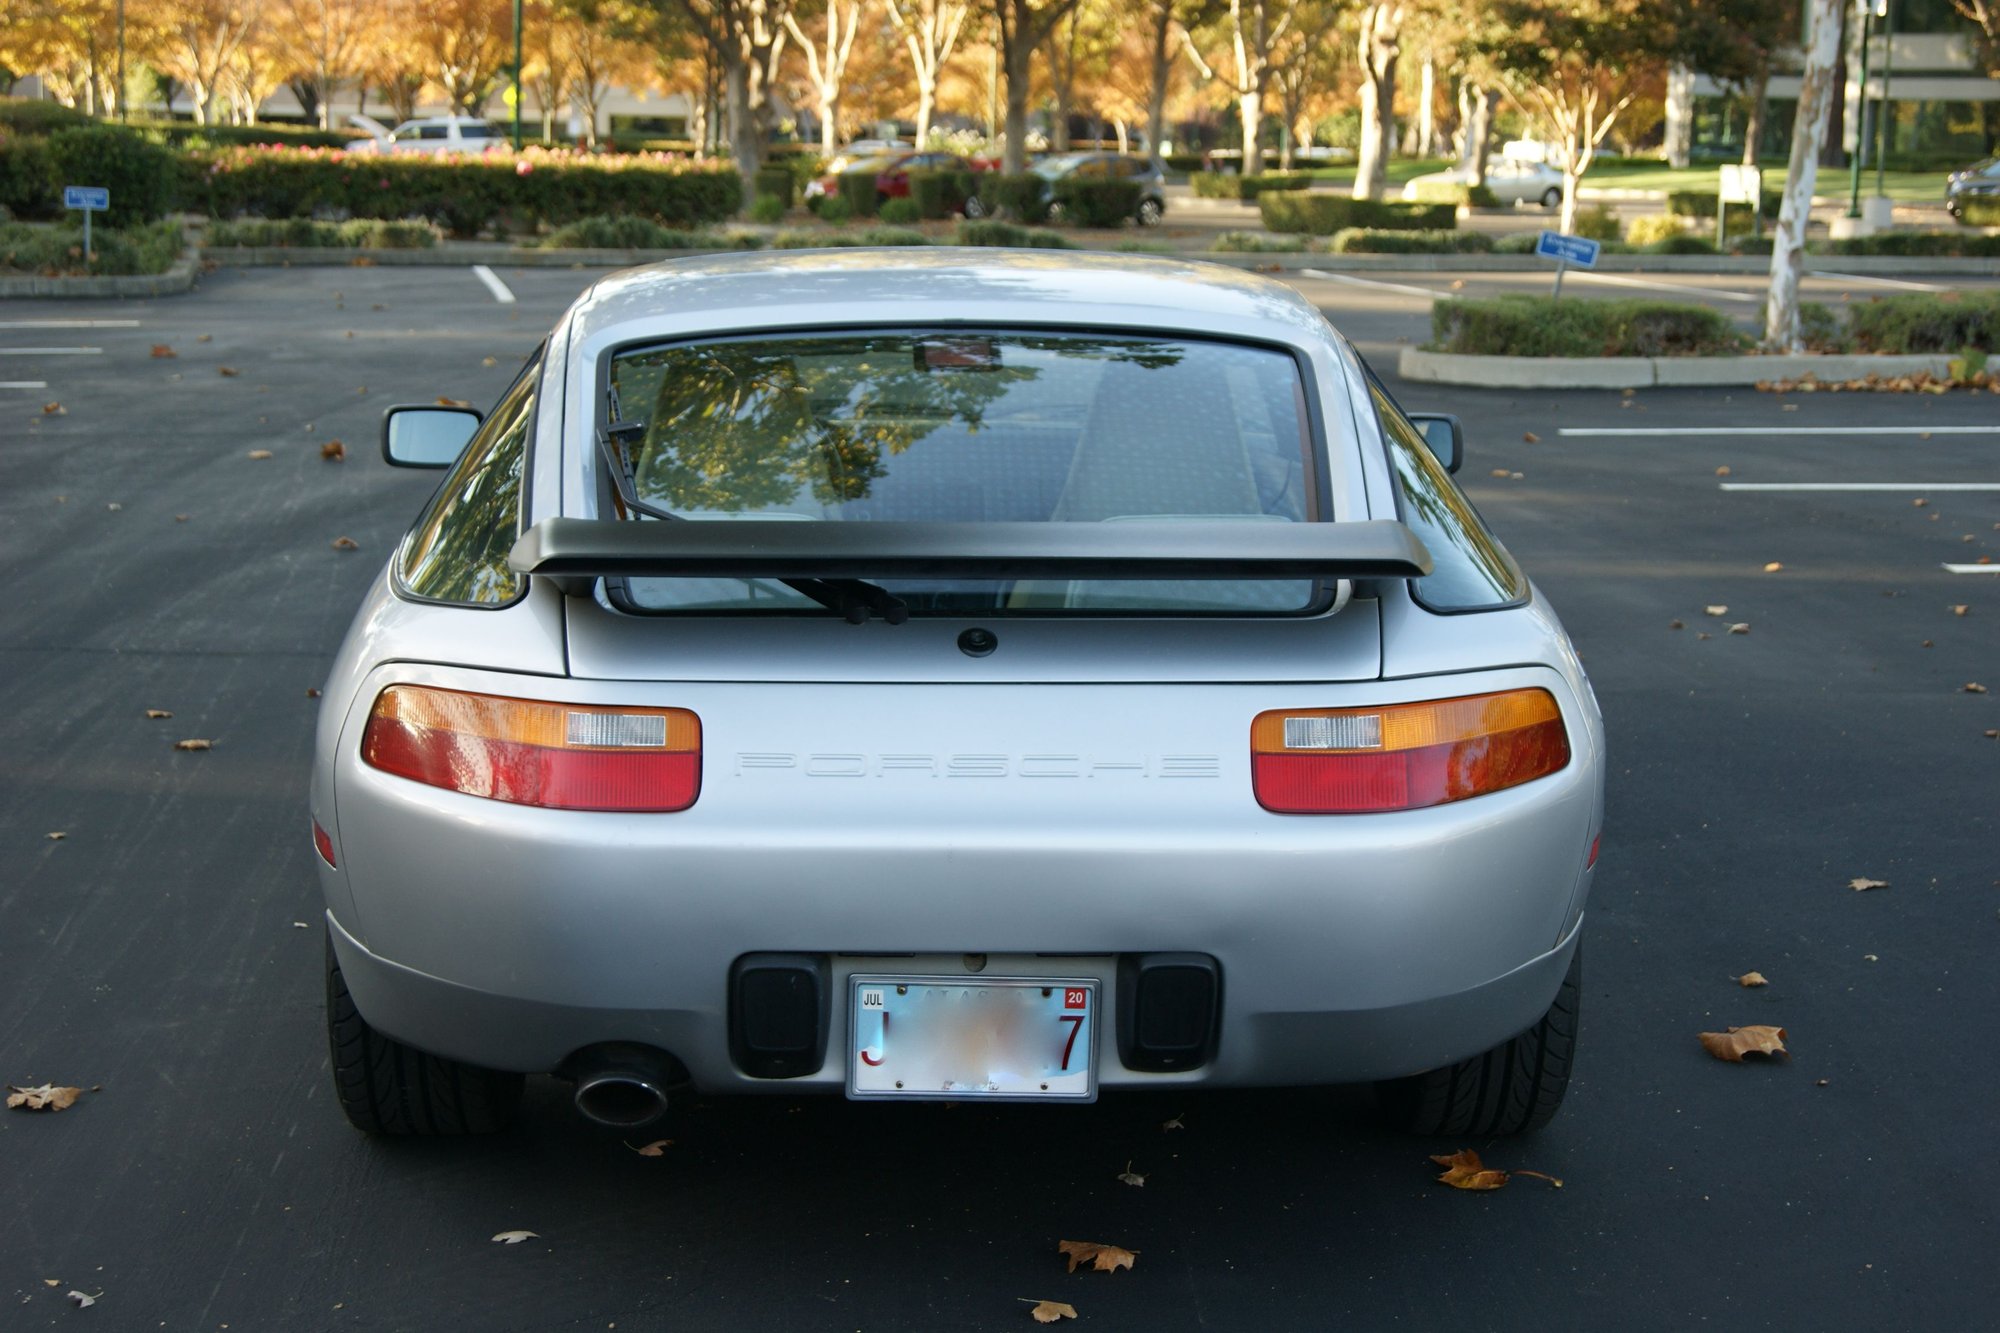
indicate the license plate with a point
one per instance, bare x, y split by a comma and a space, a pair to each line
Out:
1032, 1039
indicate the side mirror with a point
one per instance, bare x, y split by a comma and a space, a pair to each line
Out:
1444, 435
426, 436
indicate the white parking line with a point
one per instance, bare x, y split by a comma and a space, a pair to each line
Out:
1973, 569
1859, 486
1678, 288
24, 384
493, 284
1352, 281
69, 323
1580, 432
50, 351
1879, 282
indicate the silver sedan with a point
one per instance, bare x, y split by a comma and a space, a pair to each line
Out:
956, 674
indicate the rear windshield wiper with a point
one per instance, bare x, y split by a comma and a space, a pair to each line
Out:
855, 599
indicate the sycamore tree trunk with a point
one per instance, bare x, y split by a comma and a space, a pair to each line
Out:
1479, 133
746, 145
1380, 44
1250, 107
1760, 108
1017, 57
1781, 309
1156, 91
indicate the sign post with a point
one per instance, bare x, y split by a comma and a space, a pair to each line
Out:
1566, 250
1740, 185
86, 199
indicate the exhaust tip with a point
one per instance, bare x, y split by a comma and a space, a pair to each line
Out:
621, 1099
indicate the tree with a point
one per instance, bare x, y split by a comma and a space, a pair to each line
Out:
826, 72
199, 40
1079, 47
747, 38
254, 73
1254, 28
1788, 247
325, 40
465, 44
929, 29
1985, 16
1024, 25
1378, 45
1307, 68
1738, 44
73, 45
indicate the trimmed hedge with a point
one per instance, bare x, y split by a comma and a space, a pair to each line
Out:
1018, 196
304, 233
1367, 241
1454, 192
1655, 227
1976, 245
1257, 243
139, 174
939, 194
1325, 214
1539, 326
1920, 322
465, 195
27, 116
858, 189
630, 233
1682, 244
900, 212
822, 239
1092, 201
777, 182
56, 251
1229, 185
1979, 210
1702, 204
25, 173
184, 134
972, 232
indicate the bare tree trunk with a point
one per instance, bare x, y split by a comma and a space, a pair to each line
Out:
1163, 63
1016, 58
746, 146
1250, 109
1426, 110
1479, 133
1760, 109
1380, 44
1781, 309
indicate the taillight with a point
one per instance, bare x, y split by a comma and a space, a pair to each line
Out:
1328, 761
564, 756
323, 844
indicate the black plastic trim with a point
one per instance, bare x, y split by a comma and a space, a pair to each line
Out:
1132, 968
763, 1064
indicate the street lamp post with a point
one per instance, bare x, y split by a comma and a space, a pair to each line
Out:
1861, 126
517, 75
1888, 17
121, 60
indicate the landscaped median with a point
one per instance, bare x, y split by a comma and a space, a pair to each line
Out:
1530, 342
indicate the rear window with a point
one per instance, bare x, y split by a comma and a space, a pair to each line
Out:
974, 427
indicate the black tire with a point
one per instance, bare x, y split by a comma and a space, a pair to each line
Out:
1151, 211
1552, 198
1515, 1088
385, 1087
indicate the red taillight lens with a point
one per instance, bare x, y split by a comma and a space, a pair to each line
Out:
1328, 761
563, 756
323, 844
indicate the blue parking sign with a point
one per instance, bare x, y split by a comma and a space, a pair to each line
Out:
90, 198
1578, 250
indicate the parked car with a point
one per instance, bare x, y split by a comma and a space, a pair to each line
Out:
951, 674
1512, 181
845, 159
432, 134
827, 185
894, 182
1979, 178
1148, 172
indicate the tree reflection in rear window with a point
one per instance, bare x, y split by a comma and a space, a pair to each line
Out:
971, 427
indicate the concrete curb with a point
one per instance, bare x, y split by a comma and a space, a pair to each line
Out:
1646, 372
177, 280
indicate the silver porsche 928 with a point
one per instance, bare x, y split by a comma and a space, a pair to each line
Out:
949, 674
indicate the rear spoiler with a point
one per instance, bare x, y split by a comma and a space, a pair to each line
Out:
576, 552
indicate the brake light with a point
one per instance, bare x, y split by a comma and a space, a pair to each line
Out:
1325, 761
563, 756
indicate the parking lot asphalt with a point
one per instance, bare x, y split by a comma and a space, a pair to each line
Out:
165, 950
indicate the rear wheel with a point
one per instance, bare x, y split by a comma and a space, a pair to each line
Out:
1552, 197
1514, 1088
386, 1087
975, 207
1150, 212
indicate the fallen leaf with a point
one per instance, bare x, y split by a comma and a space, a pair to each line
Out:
162, 352
333, 451
180, 518
1704, 636
452, 402
1863, 885
1871, 958
312, 692
227, 372
1716, 610
205, 338
1740, 627
515, 1237
57, 836
52, 1282
1974, 687
1722, 471
1104, 1258
489, 362
1992, 734
657, 1148
1554, 1181
1464, 1171
259, 453
1773, 567
346, 544
1047, 1312
195, 744
1529, 437
1736, 1043
1178, 1122
1501, 472
81, 1301
114, 506
1131, 1177
157, 713
47, 1097
301, 925
1752, 979
54, 410
1929, 644
1919, 503
1675, 624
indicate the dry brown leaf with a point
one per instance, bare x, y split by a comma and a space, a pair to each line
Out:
1178, 1122
1704, 636
114, 506
259, 453
515, 1237
1047, 1312
57, 836
1752, 979
346, 544
54, 410
1501, 472
1773, 567
657, 1148
1722, 471
205, 337
81, 1301
157, 713
1675, 624
162, 352
1104, 1258
489, 362
1131, 1177
1716, 610
333, 451
1992, 734
1741, 627
52, 1282
48, 1097
180, 518
1863, 885
312, 692
1736, 1043
227, 372
194, 744
1919, 503
1464, 1171
1974, 687
1529, 437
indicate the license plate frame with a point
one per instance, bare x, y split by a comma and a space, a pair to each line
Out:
1056, 999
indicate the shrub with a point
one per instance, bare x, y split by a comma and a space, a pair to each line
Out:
820, 239
1819, 328
1019, 196
304, 233
1229, 185
1325, 214
1596, 224
1096, 201
58, 250
1454, 192
1541, 326
33, 118
1979, 210
1364, 241
858, 189
1184, 161
27, 179
835, 210
181, 134
774, 180
1750, 245
630, 233
939, 194
1680, 244
768, 208
1921, 243
1257, 243
900, 212
1702, 204
1921, 322
1008, 234
140, 175
1654, 227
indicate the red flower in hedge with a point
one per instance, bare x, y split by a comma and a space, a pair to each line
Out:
523, 167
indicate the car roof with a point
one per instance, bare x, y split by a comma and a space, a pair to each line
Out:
942, 284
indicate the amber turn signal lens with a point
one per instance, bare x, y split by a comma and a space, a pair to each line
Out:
1404, 756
